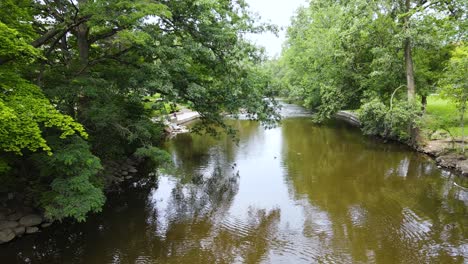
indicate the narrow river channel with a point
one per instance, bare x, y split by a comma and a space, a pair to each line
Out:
298, 193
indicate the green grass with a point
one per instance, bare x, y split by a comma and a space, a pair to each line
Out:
158, 106
442, 113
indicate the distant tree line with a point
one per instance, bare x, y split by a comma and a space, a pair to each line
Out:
383, 57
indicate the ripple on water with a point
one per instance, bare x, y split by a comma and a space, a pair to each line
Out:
144, 260
414, 227
236, 226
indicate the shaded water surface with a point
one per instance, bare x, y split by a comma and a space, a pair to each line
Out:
299, 193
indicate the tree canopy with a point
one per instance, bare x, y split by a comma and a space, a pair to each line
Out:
345, 54
74, 75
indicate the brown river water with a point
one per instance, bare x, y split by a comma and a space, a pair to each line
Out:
298, 193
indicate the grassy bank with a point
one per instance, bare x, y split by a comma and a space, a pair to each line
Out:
442, 119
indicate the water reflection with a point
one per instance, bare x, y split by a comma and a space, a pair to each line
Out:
382, 199
299, 193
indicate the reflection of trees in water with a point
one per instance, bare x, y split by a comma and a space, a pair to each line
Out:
194, 152
205, 195
380, 198
197, 229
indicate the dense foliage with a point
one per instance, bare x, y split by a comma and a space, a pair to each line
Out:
75, 76
352, 54
454, 84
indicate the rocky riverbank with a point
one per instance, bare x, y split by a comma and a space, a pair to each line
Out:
19, 218
438, 149
20, 221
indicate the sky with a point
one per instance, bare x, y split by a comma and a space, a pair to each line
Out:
278, 12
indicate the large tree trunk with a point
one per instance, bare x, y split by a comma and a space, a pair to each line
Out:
414, 131
408, 57
409, 71
82, 34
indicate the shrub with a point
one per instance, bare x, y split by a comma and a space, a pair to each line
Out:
396, 123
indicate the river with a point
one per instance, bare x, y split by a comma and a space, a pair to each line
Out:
298, 193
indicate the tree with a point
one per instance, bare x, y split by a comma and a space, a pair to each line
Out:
24, 108
67, 66
346, 54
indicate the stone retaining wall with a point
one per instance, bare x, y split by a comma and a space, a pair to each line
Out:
348, 117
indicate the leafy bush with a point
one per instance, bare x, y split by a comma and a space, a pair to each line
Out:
378, 119
372, 117
401, 119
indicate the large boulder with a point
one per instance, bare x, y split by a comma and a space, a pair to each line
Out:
8, 224
31, 220
6, 235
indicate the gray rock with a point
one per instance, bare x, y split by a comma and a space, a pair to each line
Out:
31, 220
124, 173
449, 161
132, 170
31, 230
45, 225
8, 224
15, 217
19, 231
128, 177
6, 235
462, 166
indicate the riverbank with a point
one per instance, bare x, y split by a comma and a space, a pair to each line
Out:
437, 149
19, 217
174, 123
